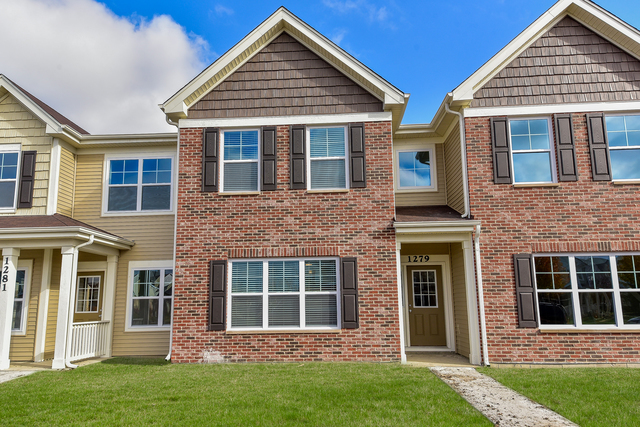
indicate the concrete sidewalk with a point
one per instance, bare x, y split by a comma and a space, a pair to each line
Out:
503, 406
13, 374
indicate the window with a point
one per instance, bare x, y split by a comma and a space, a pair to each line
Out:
151, 293
415, 169
425, 291
19, 302
284, 294
531, 151
139, 185
240, 160
88, 295
327, 158
623, 134
589, 291
9, 176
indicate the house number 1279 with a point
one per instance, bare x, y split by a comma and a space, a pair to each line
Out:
418, 258
5, 273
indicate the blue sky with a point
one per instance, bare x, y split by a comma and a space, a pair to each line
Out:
110, 63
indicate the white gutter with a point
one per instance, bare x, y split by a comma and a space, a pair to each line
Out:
175, 235
72, 292
483, 323
463, 151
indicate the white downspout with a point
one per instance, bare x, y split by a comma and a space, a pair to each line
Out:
463, 151
74, 274
483, 323
175, 234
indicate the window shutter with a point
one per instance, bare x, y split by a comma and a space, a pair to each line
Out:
349, 292
356, 152
217, 295
269, 159
525, 292
565, 148
27, 176
599, 148
500, 146
210, 160
298, 159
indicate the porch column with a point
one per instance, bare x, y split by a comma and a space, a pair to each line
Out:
403, 354
43, 307
7, 295
108, 304
62, 325
472, 303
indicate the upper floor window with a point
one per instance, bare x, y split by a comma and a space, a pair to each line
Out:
533, 159
327, 158
240, 160
415, 169
9, 161
623, 134
139, 185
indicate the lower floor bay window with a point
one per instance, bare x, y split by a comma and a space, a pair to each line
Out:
284, 294
588, 291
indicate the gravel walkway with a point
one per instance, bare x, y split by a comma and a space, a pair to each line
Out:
503, 406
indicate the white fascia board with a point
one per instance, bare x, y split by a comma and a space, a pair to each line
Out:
547, 109
49, 233
286, 120
435, 227
176, 104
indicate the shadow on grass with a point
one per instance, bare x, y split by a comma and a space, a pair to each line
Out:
140, 361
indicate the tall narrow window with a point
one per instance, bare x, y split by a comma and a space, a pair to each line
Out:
623, 134
88, 296
152, 291
327, 158
19, 302
8, 178
138, 185
240, 160
533, 160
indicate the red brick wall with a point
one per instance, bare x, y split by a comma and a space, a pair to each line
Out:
280, 223
583, 216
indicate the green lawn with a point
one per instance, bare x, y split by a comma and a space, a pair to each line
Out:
587, 396
142, 392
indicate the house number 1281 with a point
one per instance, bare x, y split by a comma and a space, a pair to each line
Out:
5, 273
418, 258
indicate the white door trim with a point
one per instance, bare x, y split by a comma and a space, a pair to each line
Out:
444, 262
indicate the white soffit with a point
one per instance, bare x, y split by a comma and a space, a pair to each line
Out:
586, 12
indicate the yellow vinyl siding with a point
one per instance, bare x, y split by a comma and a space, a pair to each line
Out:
453, 169
19, 126
52, 314
460, 315
22, 346
426, 198
66, 183
153, 236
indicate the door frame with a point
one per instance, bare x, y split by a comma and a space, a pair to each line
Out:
447, 300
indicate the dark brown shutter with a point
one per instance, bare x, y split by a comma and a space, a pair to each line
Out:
356, 152
565, 147
27, 176
269, 159
525, 291
298, 159
217, 295
501, 156
349, 292
599, 148
210, 160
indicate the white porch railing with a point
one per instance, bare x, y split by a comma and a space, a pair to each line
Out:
88, 339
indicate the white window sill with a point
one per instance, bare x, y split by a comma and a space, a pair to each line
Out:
416, 190
536, 184
629, 182
328, 190
239, 193
18, 333
166, 328
284, 331
627, 330
137, 213
7, 211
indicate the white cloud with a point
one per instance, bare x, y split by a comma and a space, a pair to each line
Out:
373, 12
221, 10
104, 72
338, 36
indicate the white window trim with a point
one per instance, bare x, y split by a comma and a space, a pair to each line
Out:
347, 175
628, 147
436, 290
433, 168
551, 150
265, 295
223, 161
575, 293
78, 293
9, 148
27, 266
147, 265
139, 185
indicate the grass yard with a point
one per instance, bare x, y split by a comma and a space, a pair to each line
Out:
143, 392
590, 397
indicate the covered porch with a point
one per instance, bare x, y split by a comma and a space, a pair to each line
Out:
57, 290
439, 309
